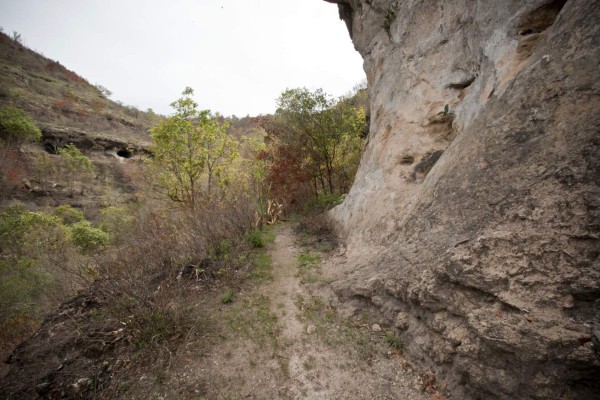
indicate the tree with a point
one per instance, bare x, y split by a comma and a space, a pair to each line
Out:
327, 131
88, 238
16, 126
103, 90
74, 163
193, 153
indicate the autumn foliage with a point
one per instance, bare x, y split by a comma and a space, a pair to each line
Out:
313, 146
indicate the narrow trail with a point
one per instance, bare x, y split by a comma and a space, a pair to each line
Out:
327, 359
284, 340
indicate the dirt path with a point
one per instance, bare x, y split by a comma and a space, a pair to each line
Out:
284, 340
327, 357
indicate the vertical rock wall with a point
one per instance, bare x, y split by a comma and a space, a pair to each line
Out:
473, 225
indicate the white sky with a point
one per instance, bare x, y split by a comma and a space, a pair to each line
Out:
237, 55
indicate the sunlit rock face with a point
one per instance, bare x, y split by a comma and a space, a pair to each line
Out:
473, 225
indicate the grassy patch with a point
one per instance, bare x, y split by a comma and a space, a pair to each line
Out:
309, 364
262, 270
308, 267
332, 330
253, 318
227, 296
392, 340
258, 238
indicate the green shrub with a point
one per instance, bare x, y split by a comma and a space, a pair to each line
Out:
22, 282
389, 17
324, 202
255, 238
30, 244
31, 234
155, 327
223, 249
16, 126
227, 296
88, 238
116, 221
75, 164
68, 214
393, 340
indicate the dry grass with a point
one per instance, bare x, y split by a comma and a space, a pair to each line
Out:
58, 97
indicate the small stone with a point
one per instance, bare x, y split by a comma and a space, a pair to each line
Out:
402, 320
311, 329
376, 328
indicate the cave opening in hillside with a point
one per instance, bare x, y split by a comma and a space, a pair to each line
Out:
51, 148
124, 153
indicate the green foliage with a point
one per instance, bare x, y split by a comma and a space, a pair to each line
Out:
227, 296
155, 327
68, 214
75, 164
16, 126
45, 168
223, 249
193, 154
392, 340
30, 244
116, 221
31, 234
445, 112
263, 267
255, 238
327, 132
308, 259
22, 282
324, 201
389, 17
88, 238
256, 168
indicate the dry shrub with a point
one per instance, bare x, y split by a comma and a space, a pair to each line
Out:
40, 267
12, 171
319, 230
142, 275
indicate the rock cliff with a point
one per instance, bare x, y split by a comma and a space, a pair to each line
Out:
473, 224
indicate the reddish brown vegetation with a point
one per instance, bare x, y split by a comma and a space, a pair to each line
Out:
55, 66
12, 169
288, 176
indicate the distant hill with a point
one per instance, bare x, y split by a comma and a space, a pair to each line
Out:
62, 101
68, 110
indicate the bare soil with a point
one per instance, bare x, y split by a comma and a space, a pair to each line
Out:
278, 335
284, 339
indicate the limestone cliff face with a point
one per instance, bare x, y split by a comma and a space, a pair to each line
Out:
473, 225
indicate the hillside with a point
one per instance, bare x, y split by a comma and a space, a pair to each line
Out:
68, 110
64, 103
450, 252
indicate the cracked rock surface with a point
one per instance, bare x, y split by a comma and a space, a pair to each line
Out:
473, 224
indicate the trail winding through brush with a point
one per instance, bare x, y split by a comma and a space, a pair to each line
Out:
327, 358
284, 339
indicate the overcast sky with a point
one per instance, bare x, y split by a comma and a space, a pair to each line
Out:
238, 55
